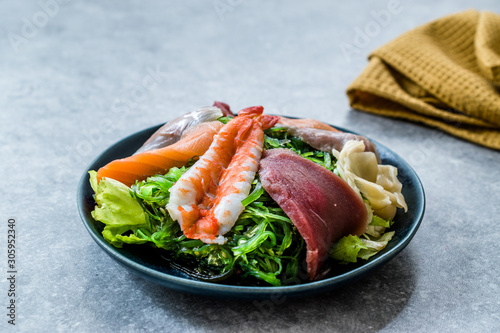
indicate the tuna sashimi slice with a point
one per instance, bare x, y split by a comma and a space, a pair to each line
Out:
320, 204
159, 161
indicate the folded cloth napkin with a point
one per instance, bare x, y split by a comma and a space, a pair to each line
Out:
445, 74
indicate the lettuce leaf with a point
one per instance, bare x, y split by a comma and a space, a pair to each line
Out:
373, 247
118, 210
377, 227
378, 221
347, 249
350, 248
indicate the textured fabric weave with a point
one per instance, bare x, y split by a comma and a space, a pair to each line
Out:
445, 74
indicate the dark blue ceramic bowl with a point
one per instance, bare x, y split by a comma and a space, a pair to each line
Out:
148, 264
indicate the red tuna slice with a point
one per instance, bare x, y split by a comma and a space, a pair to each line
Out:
320, 204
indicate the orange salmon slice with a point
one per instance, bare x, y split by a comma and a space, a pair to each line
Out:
159, 161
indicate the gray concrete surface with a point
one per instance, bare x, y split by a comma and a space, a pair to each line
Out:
76, 76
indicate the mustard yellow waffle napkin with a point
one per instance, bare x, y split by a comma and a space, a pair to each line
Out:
445, 74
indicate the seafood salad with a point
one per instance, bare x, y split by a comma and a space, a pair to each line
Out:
249, 199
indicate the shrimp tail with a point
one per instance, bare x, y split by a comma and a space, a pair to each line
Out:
268, 121
251, 111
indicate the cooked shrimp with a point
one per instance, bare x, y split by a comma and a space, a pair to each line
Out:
206, 200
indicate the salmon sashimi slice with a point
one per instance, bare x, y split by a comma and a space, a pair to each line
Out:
159, 161
206, 200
